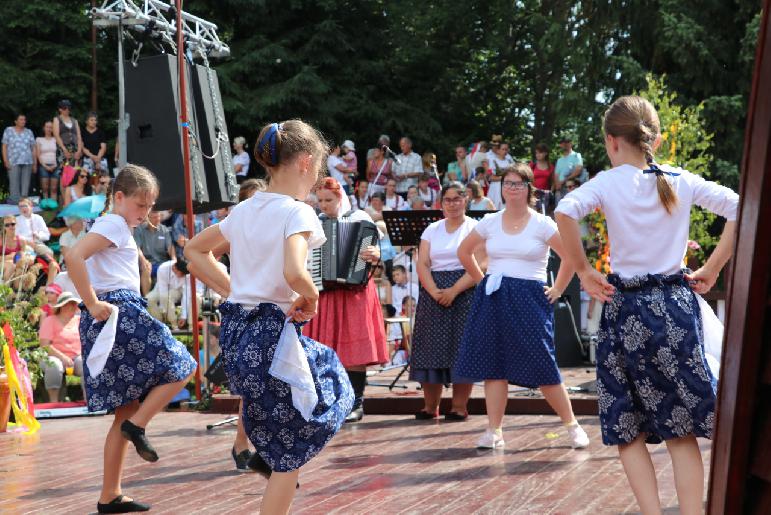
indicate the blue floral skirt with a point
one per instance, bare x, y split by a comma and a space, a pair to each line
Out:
282, 437
438, 331
652, 377
509, 335
144, 354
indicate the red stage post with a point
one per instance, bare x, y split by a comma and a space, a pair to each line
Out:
189, 219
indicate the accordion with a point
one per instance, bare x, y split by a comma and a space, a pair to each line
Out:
336, 264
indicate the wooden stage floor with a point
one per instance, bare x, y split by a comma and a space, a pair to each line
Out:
385, 464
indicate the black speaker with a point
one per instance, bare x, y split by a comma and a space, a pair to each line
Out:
154, 136
567, 320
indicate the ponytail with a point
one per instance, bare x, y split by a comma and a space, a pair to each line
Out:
107, 199
635, 120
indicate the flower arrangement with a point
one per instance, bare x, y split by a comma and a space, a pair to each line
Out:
596, 241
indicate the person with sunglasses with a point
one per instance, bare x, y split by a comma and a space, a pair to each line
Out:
509, 336
12, 245
81, 188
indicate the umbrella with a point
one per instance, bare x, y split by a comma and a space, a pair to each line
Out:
86, 207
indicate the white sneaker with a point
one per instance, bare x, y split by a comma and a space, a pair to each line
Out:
578, 436
490, 440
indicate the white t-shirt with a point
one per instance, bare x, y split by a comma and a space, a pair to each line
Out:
524, 255
167, 280
332, 163
400, 291
256, 230
116, 267
69, 240
33, 228
243, 160
444, 246
644, 238
496, 164
428, 196
396, 203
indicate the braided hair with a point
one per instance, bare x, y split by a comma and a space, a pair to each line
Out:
132, 179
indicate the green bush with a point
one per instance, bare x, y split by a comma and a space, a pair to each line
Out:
23, 317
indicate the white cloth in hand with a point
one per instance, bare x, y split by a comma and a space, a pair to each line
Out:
103, 344
290, 364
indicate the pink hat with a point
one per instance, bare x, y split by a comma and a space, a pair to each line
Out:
54, 288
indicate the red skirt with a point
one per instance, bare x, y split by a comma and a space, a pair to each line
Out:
351, 323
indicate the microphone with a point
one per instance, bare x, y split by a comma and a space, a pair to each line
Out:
390, 154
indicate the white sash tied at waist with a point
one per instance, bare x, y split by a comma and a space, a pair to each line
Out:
103, 344
290, 364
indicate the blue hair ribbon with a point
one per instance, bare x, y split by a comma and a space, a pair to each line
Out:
268, 143
658, 171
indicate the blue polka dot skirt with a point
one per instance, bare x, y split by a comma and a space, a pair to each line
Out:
652, 376
279, 433
438, 331
144, 355
509, 335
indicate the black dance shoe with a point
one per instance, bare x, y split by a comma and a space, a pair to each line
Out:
257, 464
355, 415
117, 505
454, 416
424, 415
136, 435
241, 459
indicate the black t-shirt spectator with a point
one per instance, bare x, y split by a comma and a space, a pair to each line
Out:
93, 140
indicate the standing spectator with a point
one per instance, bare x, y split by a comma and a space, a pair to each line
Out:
19, 157
81, 188
410, 169
378, 171
48, 170
543, 176
461, 166
498, 160
478, 201
392, 199
67, 134
94, 146
33, 228
74, 233
349, 157
446, 291
338, 169
60, 337
569, 166
241, 160
155, 241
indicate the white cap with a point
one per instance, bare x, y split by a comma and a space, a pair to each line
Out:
349, 145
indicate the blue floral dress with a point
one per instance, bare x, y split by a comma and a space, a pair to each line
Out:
144, 355
279, 433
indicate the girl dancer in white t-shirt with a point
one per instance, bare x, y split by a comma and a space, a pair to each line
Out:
146, 367
269, 236
653, 382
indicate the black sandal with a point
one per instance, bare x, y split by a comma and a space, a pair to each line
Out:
425, 415
136, 435
454, 416
116, 506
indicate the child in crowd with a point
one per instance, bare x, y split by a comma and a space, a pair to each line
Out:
146, 367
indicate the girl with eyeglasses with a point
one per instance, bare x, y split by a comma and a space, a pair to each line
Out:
81, 188
509, 336
446, 290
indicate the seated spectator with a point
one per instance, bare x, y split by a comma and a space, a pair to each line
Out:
417, 204
179, 231
427, 193
360, 199
402, 287
377, 206
60, 337
155, 242
412, 192
162, 300
94, 146
387, 250
81, 188
76, 231
102, 183
392, 199
449, 178
201, 290
52, 293
478, 202
32, 228
12, 249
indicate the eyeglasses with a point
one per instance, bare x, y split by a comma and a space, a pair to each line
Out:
11, 224
82, 176
515, 185
452, 200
